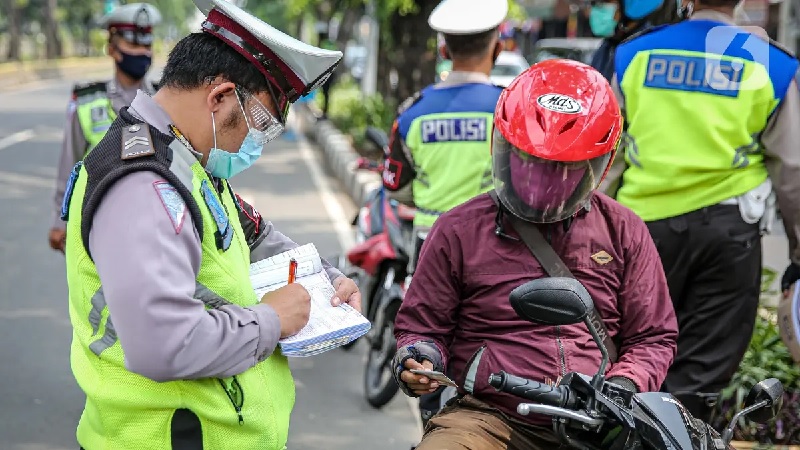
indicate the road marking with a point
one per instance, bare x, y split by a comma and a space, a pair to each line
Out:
344, 230
20, 179
16, 138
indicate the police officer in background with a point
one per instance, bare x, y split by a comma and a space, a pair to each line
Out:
171, 345
95, 105
615, 21
440, 149
713, 112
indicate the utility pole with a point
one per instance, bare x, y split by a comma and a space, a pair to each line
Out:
369, 82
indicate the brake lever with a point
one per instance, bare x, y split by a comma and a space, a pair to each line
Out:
553, 411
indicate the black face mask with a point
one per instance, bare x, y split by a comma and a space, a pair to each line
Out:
135, 66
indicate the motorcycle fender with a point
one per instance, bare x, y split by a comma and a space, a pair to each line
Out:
393, 295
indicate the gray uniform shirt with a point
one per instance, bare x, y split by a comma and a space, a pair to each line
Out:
148, 268
75, 144
780, 141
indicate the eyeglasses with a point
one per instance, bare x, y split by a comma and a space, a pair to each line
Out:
258, 117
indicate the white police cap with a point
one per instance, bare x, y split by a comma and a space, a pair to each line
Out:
468, 16
294, 67
133, 22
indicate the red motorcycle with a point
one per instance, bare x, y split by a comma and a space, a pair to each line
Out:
379, 263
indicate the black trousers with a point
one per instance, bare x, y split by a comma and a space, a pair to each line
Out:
712, 259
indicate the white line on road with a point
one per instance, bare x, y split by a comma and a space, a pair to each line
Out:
342, 226
16, 138
344, 231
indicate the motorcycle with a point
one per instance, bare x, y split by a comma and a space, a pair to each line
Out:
378, 264
588, 410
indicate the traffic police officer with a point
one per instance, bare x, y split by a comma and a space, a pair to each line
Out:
170, 343
440, 150
440, 142
713, 112
94, 105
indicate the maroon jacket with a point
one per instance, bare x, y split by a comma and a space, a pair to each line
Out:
459, 299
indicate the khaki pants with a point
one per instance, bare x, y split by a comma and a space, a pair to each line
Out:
469, 424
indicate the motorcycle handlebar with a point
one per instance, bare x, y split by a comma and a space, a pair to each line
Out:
558, 396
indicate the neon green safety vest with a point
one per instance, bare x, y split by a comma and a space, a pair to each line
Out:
94, 111
694, 114
127, 411
449, 133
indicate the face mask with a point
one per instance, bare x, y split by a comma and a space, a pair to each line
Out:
224, 164
135, 66
601, 19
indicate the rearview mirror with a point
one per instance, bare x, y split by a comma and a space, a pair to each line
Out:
377, 137
552, 301
769, 390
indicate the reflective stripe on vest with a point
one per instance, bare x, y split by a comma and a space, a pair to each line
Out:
451, 153
95, 115
127, 410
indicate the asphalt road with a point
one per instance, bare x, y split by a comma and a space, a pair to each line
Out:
39, 400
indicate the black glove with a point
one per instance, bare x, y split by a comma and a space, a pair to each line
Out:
419, 351
627, 383
791, 275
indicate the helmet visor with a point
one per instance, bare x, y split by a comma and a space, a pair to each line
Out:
540, 190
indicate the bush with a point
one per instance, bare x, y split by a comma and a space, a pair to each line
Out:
352, 113
766, 357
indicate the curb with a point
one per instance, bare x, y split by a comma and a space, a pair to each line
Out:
339, 154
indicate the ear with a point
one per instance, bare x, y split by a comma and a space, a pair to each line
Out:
217, 94
498, 47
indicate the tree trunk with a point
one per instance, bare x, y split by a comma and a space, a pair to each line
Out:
350, 17
14, 37
414, 61
53, 48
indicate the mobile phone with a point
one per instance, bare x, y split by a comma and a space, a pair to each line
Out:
436, 376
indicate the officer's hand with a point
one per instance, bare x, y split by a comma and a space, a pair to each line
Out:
791, 275
58, 239
419, 384
292, 303
347, 290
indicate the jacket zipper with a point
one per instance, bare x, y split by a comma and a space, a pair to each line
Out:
231, 385
562, 356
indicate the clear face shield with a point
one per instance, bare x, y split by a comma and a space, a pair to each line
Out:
539, 190
258, 117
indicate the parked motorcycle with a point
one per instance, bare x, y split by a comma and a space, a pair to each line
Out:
378, 263
587, 410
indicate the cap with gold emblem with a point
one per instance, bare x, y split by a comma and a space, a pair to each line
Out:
293, 67
468, 16
133, 22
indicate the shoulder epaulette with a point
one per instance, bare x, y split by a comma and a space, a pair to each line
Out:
83, 89
647, 30
409, 102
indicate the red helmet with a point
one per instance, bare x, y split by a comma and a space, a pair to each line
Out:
556, 127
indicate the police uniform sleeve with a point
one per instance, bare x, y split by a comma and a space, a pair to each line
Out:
780, 141
147, 253
399, 167
265, 241
73, 147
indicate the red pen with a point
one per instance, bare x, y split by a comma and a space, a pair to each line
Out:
292, 270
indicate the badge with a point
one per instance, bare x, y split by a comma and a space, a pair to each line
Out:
173, 203
559, 103
224, 233
73, 177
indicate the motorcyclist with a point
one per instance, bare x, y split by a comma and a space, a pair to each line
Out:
709, 139
556, 128
615, 21
439, 150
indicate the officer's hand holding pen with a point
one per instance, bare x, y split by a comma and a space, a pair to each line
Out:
292, 303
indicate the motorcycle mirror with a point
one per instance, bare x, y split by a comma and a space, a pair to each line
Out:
377, 137
552, 301
763, 403
769, 390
